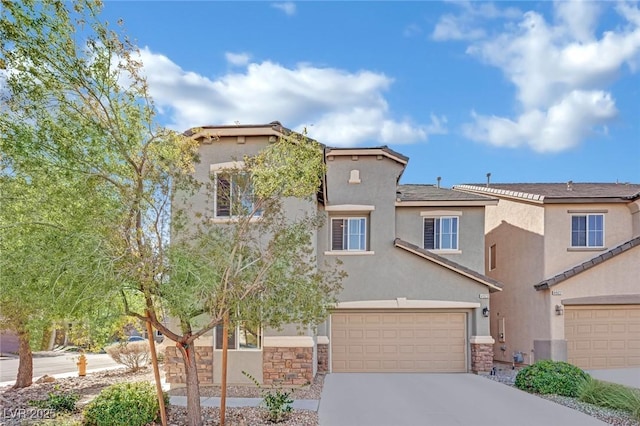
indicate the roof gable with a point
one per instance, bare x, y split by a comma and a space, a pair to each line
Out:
453, 266
544, 285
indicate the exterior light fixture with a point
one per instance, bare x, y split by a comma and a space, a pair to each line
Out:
485, 311
559, 310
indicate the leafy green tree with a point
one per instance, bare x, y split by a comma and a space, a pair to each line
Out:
47, 236
76, 103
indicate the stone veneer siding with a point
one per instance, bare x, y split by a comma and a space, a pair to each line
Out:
174, 365
323, 358
481, 357
287, 365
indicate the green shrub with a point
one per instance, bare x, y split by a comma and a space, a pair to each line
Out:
611, 395
551, 377
277, 401
62, 402
124, 404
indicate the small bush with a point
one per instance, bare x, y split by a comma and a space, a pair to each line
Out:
61, 402
277, 401
124, 404
610, 395
551, 377
134, 355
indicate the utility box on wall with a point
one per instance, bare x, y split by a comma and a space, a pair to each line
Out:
501, 331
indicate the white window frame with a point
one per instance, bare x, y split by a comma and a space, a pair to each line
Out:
587, 231
455, 249
362, 234
236, 332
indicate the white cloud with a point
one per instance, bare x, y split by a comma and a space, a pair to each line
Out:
237, 59
560, 127
561, 71
289, 7
339, 108
466, 25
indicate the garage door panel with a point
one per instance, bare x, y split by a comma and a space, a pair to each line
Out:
397, 341
604, 336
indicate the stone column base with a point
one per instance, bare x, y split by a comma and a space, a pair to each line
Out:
481, 354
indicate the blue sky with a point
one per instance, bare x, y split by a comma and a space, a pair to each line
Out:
528, 91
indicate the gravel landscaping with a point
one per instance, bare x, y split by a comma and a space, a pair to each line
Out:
506, 375
15, 409
11, 401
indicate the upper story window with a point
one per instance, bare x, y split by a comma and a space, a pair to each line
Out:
349, 233
234, 195
587, 230
441, 233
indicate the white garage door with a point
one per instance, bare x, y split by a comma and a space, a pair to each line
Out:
603, 336
398, 342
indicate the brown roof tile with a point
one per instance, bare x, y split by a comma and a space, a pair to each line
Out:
555, 191
416, 192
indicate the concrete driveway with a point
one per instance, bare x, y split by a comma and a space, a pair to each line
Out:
625, 376
436, 399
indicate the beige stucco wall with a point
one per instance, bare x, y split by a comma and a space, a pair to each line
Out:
558, 257
532, 244
410, 227
617, 276
388, 272
519, 265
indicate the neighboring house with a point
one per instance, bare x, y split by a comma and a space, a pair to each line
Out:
569, 257
9, 342
416, 298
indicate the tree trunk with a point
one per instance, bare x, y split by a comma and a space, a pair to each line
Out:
25, 365
194, 412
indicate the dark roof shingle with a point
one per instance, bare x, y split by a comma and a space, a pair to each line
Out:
416, 192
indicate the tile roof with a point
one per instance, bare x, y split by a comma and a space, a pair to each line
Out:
384, 148
413, 192
442, 261
635, 242
557, 191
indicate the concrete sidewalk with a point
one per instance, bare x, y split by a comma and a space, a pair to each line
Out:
299, 404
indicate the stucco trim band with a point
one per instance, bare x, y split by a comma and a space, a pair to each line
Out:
618, 299
349, 208
323, 340
402, 303
287, 342
481, 340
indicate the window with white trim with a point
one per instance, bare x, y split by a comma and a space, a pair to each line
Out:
587, 230
349, 233
244, 336
233, 195
441, 233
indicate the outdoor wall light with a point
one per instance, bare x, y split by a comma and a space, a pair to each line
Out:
559, 310
485, 312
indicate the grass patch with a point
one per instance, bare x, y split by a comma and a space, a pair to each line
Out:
610, 395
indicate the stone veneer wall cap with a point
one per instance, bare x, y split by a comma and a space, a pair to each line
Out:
288, 341
323, 340
481, 340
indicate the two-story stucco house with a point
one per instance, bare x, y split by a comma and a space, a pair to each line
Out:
569, 257
416, 298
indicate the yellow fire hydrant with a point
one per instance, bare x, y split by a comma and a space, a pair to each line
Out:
82, 365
